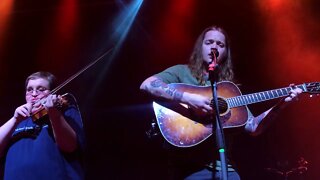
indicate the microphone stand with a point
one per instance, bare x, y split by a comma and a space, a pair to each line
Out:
216, 123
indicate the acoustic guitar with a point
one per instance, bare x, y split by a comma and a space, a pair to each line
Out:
182, 127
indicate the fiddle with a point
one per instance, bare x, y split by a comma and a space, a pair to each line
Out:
42, 111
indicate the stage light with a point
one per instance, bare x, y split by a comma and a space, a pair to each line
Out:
5, 12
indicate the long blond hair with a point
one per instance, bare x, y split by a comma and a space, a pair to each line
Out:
198, 66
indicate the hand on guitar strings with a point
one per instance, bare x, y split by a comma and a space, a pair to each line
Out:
198, 103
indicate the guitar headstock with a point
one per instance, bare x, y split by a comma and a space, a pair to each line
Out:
312, 88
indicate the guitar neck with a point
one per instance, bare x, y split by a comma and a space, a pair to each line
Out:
261, 96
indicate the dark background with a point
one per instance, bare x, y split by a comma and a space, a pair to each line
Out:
274, 43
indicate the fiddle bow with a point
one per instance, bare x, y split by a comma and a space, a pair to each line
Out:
42, 111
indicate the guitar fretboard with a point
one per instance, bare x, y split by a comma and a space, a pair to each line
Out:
260, 96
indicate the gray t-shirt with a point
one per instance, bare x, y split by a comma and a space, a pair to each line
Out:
178, 74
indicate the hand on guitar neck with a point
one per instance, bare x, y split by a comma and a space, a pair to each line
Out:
293, 94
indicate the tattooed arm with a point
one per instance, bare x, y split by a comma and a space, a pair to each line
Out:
156, 87
257, 125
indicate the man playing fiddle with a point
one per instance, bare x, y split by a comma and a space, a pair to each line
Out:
46, 146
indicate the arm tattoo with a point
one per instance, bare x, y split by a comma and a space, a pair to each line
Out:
177, 95
251, 124
259, 118
170, 91
158, 83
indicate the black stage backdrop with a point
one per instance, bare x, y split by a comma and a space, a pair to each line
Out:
274, 43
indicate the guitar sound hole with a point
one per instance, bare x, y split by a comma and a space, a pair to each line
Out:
223, 106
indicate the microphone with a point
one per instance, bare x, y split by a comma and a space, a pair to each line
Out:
213, 54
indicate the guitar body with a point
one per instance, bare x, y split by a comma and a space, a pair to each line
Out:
181, 127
